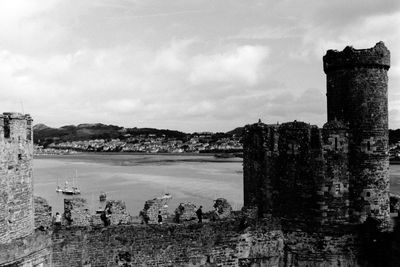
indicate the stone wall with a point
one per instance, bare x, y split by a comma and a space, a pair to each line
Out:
117, 212
30, 250
43, 216
334, 191
185, 212
76, 212
222, 208
152, 208
258, 143
316, 249
284, 168
16, 182
224, 243
215, 244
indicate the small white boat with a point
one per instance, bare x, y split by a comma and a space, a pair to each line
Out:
70, 191
58, 189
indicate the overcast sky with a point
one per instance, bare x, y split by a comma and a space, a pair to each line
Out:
186, 65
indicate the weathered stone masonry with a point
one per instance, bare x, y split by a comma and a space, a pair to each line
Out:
16, 183
321, 194
20, 244
357, 95
334, 175
213, 244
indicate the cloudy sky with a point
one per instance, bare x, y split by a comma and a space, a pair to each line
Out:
183, 64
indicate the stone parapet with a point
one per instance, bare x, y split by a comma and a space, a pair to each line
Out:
377, 56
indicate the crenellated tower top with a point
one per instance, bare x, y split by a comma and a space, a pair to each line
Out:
375, 57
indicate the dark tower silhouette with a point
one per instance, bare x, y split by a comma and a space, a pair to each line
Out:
357, 95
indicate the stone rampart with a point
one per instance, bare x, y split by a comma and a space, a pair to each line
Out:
214, 244
224, 243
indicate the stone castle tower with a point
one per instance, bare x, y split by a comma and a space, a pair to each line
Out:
16, 177
357, 84
334, 175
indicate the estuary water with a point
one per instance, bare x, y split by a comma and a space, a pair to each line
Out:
136, 178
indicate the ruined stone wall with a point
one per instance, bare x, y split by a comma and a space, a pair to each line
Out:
16, 182
225, 243
334, 191
216, 244
76, 212
260, 149
43, 216
286, 171
185, 212
357, 95
117, 212
152, 208
316, 249
305, 173
298, 173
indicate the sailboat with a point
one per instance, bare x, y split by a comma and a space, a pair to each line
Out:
58, 189
74, 189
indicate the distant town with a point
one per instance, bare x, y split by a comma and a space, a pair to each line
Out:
109, 138
114, 139
197, 143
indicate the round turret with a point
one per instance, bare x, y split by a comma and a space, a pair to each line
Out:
357, 95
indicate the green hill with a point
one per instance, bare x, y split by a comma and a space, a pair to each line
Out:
44, 135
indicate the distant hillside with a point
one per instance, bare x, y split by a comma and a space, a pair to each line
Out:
237, 131
44, 135
159, 132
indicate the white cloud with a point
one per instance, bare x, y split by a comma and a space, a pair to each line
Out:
241, 65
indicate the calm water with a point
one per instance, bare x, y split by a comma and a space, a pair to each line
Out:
137, 178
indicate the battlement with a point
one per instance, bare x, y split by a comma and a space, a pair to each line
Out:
16, 115
375, 57
15, 126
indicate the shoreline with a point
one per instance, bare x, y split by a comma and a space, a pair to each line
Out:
144, 158
133, 153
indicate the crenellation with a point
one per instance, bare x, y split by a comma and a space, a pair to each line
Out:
375, 57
